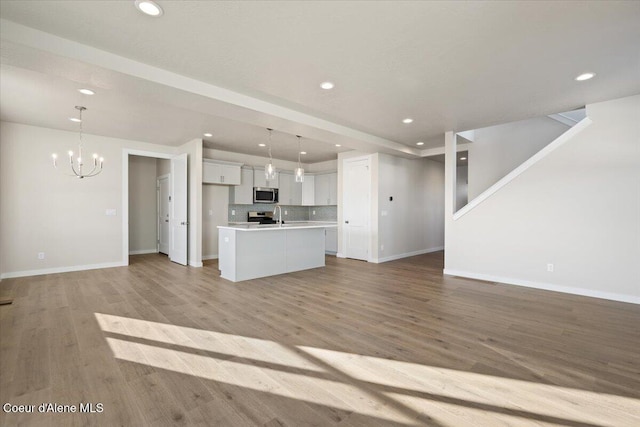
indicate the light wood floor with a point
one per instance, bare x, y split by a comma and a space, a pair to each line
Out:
352, 344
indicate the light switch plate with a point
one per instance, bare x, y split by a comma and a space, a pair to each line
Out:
110, 212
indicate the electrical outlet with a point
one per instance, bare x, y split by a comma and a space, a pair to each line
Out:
210, 212
40, 255
110, 212
313, 212
550, 268
382, 247
286, 213
233, 212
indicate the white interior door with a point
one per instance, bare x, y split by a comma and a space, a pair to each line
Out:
356, 208
164, 214
178, 202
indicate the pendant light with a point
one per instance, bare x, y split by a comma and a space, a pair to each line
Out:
269, 169
76, 167
299, 172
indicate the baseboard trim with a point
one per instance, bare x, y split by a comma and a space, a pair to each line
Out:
407, 255
143, 251
340, 255
55, 270
195, 264
207, 257
545, 286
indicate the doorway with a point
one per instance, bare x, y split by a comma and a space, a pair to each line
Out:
155, 199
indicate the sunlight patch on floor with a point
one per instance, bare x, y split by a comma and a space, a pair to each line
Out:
386, 389
217, 342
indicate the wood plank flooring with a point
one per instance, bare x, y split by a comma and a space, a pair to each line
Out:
351, 344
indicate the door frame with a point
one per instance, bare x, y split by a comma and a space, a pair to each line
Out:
126, 152
342, 249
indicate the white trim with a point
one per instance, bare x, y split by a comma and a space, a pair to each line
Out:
558, 142
563, 119
195, 264
207, 257
223, 162
545, 286
143, 251
340, 255
408, 254
56, 270
428, 152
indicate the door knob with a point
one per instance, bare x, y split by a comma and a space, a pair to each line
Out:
183, 223
346, 222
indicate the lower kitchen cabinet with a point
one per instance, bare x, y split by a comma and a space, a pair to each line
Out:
331, 240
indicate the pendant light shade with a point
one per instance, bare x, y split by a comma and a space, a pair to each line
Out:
269, 169
299, 172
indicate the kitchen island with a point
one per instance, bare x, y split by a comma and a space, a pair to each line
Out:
249, 251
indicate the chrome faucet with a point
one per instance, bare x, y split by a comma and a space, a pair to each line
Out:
279, 209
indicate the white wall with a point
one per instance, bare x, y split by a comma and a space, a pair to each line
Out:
215, 208
413, 222
462, 187
143, 225
578, 208
497, 150
45, 210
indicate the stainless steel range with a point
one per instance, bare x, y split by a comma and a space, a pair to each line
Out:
261, 217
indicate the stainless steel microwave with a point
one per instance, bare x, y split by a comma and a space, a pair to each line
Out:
265, 195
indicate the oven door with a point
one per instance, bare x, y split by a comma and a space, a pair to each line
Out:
264, 195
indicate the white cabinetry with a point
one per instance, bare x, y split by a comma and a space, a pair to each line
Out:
331, 240
260, 180
290, 191
326, 189
243, 194
308, 190
219, 172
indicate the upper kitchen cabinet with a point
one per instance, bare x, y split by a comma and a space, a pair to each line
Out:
308, 190
326, 189
219, 172
290, 191
259, 180
243, 194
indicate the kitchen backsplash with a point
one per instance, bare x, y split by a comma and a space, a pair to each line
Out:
294, 213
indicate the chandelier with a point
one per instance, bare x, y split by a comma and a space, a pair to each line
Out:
77, 166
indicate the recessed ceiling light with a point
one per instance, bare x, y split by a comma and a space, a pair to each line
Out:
585, 76
463, 158
75, 119
420, 143
262, 145
327, 85
208, 135
338, 145
86, 91
303, 152
407, 120
149, 7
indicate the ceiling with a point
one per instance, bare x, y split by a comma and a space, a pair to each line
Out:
234, 68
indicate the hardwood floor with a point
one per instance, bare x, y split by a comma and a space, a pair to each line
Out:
352, 344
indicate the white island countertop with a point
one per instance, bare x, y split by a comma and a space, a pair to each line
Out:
286, 226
